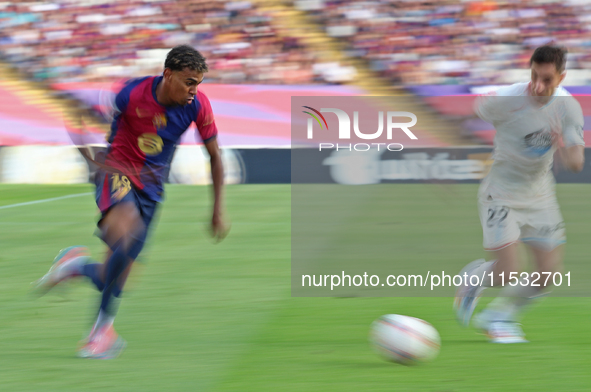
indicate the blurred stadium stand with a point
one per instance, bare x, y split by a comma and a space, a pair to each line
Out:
260, 42
457, 42
98, 40
262, 52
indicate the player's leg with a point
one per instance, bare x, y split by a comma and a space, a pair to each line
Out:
513, 300
548, 261
103, 342
544, 234
147, 209
498, 319
501, 317
96, 273
111, 190
501, 232
76, 261
480, 275
68, 263
120, 222
507, 261
120, 226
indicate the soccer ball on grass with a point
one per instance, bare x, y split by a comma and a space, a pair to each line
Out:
405, 340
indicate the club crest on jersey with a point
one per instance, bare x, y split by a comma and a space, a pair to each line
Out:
159, 121
150, 143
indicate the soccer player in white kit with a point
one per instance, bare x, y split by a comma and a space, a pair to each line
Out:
517, 200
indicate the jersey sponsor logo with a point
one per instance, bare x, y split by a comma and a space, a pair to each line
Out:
150, 143
159, 121
538, 143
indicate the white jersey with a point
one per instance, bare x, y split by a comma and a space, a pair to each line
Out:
523, 153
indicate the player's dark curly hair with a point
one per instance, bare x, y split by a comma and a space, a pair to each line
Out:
185, 56
550, 54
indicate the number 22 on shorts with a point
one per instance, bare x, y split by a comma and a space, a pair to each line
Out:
497, 216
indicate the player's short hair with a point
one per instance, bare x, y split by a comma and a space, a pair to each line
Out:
185, 56
547, 54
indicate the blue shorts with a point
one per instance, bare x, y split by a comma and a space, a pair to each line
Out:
114, 188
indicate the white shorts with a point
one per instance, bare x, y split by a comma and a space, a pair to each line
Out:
540, 224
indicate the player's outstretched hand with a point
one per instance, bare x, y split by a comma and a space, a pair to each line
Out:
218, 230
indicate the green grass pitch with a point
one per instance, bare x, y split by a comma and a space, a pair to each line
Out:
205, 317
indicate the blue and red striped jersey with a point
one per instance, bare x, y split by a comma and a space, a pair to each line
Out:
144, 133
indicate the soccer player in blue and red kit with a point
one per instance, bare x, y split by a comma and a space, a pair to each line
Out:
151, 115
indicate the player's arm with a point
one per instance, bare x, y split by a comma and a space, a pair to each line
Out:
571, 146
208, 132
576, 158
218, 228
573, 157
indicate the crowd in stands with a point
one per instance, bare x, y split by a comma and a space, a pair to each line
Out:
410, 42
417, 42
95, 40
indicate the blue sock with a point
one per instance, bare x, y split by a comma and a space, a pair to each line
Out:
92, 271
115, 266
117, 291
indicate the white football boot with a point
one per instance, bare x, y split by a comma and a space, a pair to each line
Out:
467, 295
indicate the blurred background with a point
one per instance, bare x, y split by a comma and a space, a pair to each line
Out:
56, 55
205, 318
295, 43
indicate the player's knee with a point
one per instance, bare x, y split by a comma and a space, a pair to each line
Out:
548, 257
122, 224
507, 259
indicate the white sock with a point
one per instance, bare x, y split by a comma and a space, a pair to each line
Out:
103, 319
513, 300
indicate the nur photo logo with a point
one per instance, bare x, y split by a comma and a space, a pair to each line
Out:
344, 128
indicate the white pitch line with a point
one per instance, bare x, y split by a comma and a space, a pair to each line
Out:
45, 200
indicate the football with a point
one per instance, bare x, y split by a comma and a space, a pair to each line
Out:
405, 340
